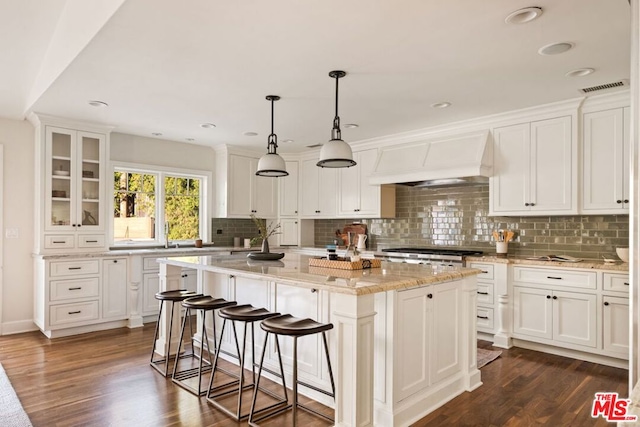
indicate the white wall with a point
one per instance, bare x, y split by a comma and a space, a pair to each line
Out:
18, 138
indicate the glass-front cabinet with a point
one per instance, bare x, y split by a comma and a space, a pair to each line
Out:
75, 160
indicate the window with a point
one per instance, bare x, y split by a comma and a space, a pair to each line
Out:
152, 206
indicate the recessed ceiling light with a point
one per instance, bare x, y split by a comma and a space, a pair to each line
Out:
287, 141
98, 104
250, 133
441, 105
522, 16
156, 134
189, 139
351, 125
555, 48
207, 125
580, 72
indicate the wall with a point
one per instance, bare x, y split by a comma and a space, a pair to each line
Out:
18, 138
230, 228
459, 217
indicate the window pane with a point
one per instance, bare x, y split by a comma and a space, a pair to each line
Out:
182, 208
134, 203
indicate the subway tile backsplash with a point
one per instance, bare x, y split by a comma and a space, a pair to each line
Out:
230, 228
459, 217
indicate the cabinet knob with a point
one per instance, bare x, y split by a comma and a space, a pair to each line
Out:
626, 200
548, 296
532, 204
618, 201
526, 204
555, 297
313, 291
626, 283
429, 296
295, 211
79, 225
606, 303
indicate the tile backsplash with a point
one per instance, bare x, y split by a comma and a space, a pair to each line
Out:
459, 217
230, 228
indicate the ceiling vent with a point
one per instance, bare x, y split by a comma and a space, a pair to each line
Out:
588, 90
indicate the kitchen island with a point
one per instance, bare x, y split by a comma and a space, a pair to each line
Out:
403, 342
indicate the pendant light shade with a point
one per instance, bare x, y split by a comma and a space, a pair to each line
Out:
336, 153
271, 164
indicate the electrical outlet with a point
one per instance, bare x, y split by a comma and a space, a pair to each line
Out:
11, 233
218, 231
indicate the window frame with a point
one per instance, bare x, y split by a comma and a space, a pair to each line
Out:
161, 172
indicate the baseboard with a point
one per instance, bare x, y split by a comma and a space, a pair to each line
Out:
57, 333
18, 327
574, 354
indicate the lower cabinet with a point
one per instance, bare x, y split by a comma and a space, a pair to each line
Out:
114, 289
615, 325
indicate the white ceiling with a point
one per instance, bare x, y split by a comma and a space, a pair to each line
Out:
167, 66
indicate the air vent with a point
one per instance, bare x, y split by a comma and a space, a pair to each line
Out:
606, 86
314, 145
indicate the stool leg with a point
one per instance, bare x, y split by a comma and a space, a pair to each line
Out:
257, 382
295, 382
215, 359
204, 339
157, 332
326, 352
242, 360
168, 343
184, 323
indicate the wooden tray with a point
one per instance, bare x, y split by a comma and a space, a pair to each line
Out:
343, 264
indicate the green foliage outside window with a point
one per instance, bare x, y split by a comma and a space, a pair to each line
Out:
182, 207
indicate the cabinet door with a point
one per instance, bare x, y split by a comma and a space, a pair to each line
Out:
511, 162
349, 189
309, 187
289, 228
369, 194
114, 288
150, 287
446, 330
327, 192
239, 185
61, 172
626, 155
264, 194
289, 191
615, 324
189, 279
91, 178
412, 341
532, 312
574, 318
603, 162
552, 168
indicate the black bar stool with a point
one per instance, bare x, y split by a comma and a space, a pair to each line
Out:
288, 325
173, 297
249, 315
203, 303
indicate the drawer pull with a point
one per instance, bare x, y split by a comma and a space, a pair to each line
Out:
92, 241
484, 271
76, 289
483, 317
483, 293
626, 283
554, 278
75, 312
75, 268
59, 241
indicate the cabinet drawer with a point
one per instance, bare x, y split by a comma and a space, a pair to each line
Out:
485, 293
69, 289
74, 268
91, 241
71, 313
484, 318
150, 263
616, 282
487, 270
53, 242
548, 277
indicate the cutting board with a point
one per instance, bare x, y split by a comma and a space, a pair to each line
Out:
354, 229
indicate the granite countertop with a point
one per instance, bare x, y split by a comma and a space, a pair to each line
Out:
294, 269
522, 260
159, 251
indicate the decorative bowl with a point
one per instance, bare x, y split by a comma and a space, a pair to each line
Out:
623, 254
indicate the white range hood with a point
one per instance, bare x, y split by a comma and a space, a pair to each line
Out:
458, 159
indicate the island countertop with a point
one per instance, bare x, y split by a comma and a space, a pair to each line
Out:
294, 269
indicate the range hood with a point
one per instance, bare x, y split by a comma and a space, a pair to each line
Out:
452, 160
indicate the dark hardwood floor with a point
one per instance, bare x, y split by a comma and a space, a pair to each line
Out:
104, 379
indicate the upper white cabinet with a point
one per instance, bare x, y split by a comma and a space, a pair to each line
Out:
534, 169
359, 199
289, 191
71, 181
239, 192
318, 190
605, 162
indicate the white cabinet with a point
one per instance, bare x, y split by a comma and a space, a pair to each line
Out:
289, 191
290, 232
189, 279
359, 199
150, 287
486, 308
114, 288
70, 179
615, 324
318, 190
564, 317
605, 162
534, 169
428, 338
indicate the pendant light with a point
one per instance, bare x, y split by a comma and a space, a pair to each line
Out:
336, 153
271, 164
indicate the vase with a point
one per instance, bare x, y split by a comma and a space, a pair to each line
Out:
265, 246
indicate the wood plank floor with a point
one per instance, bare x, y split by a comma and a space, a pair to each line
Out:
103, 379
